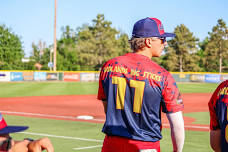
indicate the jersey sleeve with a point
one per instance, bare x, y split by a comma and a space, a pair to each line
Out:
101, 93
214, 124
171, 101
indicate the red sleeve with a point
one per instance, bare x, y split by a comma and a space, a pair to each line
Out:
172, 101
212, 106
101, 94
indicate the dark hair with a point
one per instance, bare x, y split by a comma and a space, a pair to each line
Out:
137, 43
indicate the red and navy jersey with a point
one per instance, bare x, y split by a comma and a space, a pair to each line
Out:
136, 89
219, 114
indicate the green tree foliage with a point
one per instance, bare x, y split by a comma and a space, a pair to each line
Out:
201, 53
170, 60
67, 57
216, 50
40, 54
11, 52
99, 42
89, 47
123, 44
181, 55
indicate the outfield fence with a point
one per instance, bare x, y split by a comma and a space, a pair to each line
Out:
87, 76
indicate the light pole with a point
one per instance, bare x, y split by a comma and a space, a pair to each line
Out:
55, 46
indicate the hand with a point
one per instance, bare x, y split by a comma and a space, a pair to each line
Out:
40, 145
19, 146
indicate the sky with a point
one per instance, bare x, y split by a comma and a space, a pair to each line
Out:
33, 20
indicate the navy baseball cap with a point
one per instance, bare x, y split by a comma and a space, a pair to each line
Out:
150, 27
5, 129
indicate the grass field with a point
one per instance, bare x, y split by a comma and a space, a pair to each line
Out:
66, 136
70, 136
21, 89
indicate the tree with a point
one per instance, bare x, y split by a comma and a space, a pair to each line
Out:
40, 54
11, 52
217, 48
123, 44
201, 53
67, 53
181, 53
99, 42
169, 60
89, 46
38, 51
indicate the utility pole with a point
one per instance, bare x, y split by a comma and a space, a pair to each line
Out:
55, 46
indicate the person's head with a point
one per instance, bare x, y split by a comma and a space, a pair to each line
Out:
5, 130
149, 33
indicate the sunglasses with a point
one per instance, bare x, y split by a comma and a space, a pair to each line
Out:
6, 144
163, 39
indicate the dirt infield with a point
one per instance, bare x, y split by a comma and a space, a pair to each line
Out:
70, 106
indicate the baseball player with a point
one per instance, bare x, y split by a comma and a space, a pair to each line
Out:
135, 90
7, 144
219, 118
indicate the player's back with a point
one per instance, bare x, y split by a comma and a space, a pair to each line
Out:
134, 87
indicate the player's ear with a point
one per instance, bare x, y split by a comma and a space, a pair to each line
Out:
148, 42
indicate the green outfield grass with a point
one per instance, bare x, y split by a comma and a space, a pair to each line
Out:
200, 117
20, 89
66, 136
195, 141
197, 87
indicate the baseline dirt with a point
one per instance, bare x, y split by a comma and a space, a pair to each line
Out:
69, 107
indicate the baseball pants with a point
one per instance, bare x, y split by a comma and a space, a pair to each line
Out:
121, 144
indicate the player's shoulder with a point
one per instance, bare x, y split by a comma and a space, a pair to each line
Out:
160, 68
220, 90
156, 65
223, 84
115, 60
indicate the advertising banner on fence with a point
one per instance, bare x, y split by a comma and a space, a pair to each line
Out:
52, 76
197, 77
28, 76
212, 78
97, 76
87, 77
224, 77
16, 76
40, 76
60, 76
5, 76
181, 77
67, 76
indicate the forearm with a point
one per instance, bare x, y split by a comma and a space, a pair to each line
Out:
177, 131
40, 145
215, 140
177, 135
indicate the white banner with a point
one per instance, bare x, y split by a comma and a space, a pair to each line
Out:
87, 77
5, 76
